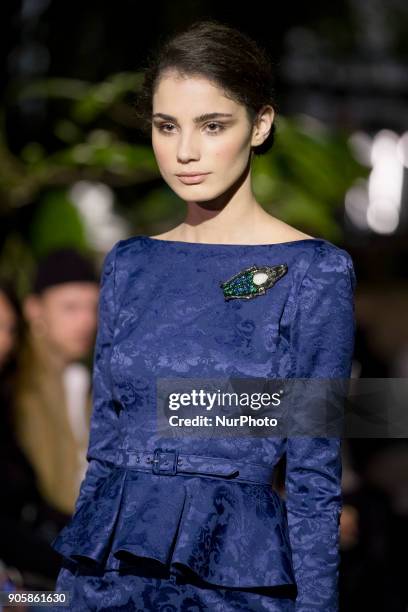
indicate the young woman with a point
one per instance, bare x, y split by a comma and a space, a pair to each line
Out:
195, 524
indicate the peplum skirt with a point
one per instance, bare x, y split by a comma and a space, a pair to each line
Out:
169, 532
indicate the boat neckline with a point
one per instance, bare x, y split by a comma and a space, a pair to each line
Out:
218, 244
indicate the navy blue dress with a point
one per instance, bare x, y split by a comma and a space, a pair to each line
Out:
185, 536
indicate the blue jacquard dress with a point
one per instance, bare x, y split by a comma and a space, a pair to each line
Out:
187, 537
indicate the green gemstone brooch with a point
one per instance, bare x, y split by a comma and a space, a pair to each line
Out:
253, 281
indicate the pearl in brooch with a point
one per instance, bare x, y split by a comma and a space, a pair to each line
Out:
253, 281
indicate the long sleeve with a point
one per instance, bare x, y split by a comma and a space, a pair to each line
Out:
322, 344
103, 439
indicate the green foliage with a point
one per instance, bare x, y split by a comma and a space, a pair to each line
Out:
56, 223
159, 209
304, 178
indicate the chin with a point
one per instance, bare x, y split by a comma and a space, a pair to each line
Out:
196, 193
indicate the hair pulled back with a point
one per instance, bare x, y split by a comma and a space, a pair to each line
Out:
227, 57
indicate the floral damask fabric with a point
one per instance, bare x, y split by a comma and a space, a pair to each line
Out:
193, 541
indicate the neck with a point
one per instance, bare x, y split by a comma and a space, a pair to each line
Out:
234, 216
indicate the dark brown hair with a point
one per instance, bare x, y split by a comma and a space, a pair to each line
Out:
8, 370
224, 55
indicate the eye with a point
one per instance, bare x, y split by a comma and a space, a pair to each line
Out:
219, 125
163, 125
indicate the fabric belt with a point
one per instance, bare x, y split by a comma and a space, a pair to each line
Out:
172, 462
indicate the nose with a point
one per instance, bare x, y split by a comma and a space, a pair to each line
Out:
187, 148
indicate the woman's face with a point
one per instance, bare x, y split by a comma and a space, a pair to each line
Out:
185, 141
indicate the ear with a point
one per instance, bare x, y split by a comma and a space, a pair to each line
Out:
263, 125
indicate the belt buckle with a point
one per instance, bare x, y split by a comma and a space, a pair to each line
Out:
165, 462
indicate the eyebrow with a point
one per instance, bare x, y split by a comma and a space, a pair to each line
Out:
196, 119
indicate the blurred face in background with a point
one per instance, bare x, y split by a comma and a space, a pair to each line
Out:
66, 315
219, 146
8, 329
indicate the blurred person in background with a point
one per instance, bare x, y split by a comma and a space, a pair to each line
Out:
53, 396
26, 557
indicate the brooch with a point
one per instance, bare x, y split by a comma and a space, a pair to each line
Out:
253, 281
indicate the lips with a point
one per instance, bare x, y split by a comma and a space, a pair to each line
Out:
192, 179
